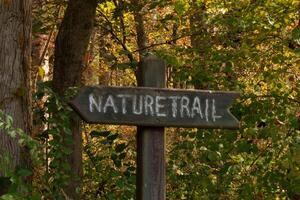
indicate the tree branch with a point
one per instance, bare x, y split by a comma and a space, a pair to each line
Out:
169, 42
117, 39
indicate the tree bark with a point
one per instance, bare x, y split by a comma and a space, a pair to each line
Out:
70, 47
141, 36
15, 52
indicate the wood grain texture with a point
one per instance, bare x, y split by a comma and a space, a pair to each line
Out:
151, 159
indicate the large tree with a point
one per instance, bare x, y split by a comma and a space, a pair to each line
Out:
70, 48
15, 51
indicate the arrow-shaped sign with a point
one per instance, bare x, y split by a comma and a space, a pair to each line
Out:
156, 107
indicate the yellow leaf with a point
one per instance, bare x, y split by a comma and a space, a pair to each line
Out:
41, 72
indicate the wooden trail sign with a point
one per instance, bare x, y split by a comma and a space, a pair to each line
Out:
151, 108
156, 107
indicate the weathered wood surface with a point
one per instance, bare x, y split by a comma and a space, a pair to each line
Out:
151, 158
156, 107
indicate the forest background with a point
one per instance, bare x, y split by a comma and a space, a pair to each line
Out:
250, 46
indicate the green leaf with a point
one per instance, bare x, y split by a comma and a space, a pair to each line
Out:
296, 187
212, 156
118, 163
296, 35
243, 146
229, 67
230, 136
112, 137
122, 156
24, 172
114, 156
99, 133
181, 7
122, 65
294, 122
9, 120
120, 147
12, 133
9, 197
21, 142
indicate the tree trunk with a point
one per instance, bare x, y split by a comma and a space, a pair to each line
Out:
200, 34
70, 47
141, 36
200, 40
15, 51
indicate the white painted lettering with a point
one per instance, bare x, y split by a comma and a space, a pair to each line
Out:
206, 109
124, 97
134, 105
159, 106
93, 103
174, 105
110, 103
184, 106
196, 108
214, 111
149, 105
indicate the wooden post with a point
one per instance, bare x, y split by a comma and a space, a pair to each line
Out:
151, 170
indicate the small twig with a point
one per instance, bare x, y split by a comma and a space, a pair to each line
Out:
46, 46
112, 32
121, 17
170, 42
101, 183
272, 96
260, 154
49, 39
65, 195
